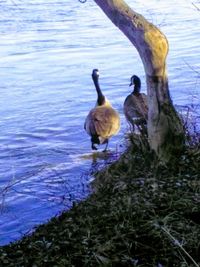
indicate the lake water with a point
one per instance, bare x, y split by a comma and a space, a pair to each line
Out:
48, 49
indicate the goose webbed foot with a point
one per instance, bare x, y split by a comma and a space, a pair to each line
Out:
94, 147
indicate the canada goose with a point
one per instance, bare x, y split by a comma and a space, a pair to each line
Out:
103, 121
135, 106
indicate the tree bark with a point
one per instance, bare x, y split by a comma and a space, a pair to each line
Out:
165, 130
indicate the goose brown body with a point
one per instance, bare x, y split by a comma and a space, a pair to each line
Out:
103, 120
136, 107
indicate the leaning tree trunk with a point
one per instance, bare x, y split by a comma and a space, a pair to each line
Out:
165, 130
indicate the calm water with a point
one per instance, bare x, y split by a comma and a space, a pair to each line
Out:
48, 49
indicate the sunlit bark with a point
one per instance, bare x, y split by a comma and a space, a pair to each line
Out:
165, 131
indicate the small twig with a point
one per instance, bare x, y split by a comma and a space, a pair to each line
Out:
192, 68
196, 6
177, 243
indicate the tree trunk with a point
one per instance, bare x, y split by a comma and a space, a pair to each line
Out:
165, 130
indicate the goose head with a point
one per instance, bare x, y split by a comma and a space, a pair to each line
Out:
95, 74
101, 99
135, 80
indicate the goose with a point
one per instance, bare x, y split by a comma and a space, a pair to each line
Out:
135, 107
103, 120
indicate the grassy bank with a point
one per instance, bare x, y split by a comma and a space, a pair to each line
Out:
141, 214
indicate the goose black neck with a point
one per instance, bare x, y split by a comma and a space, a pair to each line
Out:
136, 89
101, 97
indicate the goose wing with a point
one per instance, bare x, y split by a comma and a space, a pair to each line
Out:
130, 108
135, 106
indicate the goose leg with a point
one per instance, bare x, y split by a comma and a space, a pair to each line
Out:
95, 140
133, 127
105, 149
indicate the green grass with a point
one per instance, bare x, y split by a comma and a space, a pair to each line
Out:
140, 214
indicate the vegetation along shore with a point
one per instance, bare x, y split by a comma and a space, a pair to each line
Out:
141, 213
